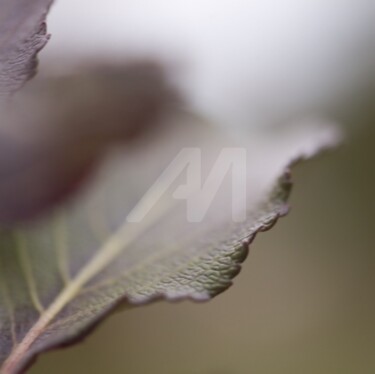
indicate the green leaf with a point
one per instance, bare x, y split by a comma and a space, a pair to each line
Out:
61, 276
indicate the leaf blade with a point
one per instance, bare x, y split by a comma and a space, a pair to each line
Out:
165, 257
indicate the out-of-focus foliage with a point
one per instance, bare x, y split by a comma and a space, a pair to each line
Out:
54, 133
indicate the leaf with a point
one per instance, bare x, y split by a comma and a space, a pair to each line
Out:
22, 36
61, 276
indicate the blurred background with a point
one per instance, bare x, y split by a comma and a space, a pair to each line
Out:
304, 302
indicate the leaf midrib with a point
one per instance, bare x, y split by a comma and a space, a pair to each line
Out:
106, 254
